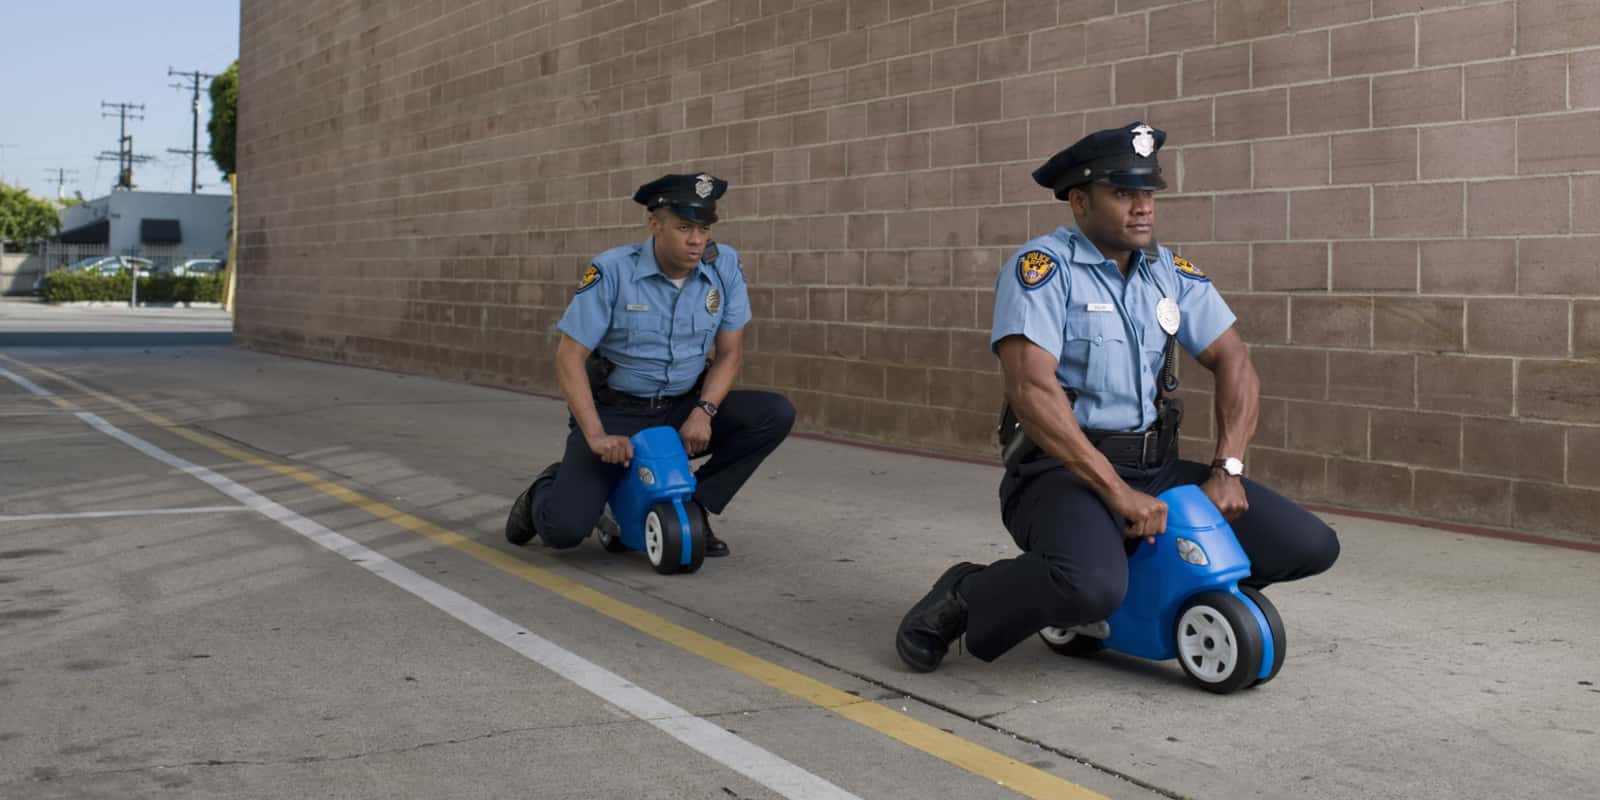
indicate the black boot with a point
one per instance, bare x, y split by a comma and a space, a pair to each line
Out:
519, 523
715, 548
938, 619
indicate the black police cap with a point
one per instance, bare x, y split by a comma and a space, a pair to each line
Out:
693, 197
1123, 157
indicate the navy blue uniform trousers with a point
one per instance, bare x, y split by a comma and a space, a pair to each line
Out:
748, 426
1074, 568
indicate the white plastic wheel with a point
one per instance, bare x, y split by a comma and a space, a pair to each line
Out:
1207, 644
653, 538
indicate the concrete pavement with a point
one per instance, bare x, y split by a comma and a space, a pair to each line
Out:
215, 652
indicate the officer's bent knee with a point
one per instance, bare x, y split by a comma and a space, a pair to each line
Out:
1089, 597
783, 413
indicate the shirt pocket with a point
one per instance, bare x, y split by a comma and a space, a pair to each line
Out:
646, 334
1098, 342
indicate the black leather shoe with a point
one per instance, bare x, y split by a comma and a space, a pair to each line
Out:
715, 548
519, 523
938, 619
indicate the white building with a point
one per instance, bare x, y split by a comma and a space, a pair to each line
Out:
151, 223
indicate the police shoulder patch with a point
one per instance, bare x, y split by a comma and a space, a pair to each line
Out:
1035, 268
1188, 270
591, 276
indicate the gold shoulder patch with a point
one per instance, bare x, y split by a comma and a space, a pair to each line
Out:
1187, 269
591, 276
1035, 268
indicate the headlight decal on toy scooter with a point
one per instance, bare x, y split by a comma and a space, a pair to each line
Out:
1192, 552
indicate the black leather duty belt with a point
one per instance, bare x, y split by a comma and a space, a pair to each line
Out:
608, 396
1141, 449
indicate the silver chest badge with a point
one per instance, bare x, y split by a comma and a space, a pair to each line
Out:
713, 301
1168, 315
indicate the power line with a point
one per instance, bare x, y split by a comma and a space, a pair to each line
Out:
61, 178
194, 152
124, 155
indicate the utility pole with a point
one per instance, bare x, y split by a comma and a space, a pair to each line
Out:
61, 179
124, 155
194, 152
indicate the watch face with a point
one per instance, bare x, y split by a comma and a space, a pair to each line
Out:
1234, 466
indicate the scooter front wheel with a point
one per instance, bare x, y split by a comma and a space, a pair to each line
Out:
1218, 642
665, 536
1280, 639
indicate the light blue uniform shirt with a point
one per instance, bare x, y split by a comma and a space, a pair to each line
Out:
656, 334
1065, 297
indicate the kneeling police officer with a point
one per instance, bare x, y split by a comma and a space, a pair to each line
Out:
634, 350
1085, 320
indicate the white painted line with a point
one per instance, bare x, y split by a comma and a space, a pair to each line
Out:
133, 512
746, 758
32, 387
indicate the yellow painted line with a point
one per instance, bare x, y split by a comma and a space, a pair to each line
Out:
977, 759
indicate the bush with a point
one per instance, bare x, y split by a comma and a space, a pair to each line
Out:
68, 287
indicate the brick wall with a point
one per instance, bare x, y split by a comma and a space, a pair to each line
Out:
1400, 198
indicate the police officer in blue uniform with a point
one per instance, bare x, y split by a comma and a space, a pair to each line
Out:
651, 315
1084, 321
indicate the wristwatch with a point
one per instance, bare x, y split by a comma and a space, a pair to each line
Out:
707, 406
1232, 466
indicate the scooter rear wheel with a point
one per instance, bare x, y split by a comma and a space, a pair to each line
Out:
1069, 643
1218, 642
609, 533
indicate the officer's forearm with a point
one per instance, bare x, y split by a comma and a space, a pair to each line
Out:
721, 375
1238, 405
575, 387
1047, 417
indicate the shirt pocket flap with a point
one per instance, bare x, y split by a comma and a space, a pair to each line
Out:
1096, 327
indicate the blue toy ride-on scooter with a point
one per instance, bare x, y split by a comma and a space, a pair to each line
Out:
1184, 601
651, 508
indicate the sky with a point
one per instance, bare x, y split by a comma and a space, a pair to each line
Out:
60, 60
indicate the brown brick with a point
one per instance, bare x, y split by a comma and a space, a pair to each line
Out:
1185, 219
1002, 58
1182, 27
1251, 217
1564, 510
978, 103
981, 20
1426, 96
1328, 428
1517, 327
1185, 121
1289, 267
1379, 46
1555, 25
1147, 79
954, 67
1027, 15
1468, 34
1562, 265
1472, 150
910, 74
1417, 209
1300, 476
1521, 205
1115, 38
1520, 86
1365, 485
1561, 390
1465, 384
1330, 213
1216, 70
1417, 438
1586, 203
1558, 144
1342, 322
1001, 142
1583, 76
1292, 372
1056, 48
1249, 19
1379, 156
1386, 266
1406, 324
1463, 498
1291, 162
1227, 265
1308, 15
1289, 59
954, 146
1083, 88
1372, 378
1211, 168
1586, 329
1483, 266
827, 304
1027, 95
1252, 115
1513, 449
1333, 106
1262, 319
1583, 457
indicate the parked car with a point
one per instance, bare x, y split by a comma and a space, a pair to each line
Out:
103, 265
197, 266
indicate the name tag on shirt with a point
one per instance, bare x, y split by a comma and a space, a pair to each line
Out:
637, 307
1100, 307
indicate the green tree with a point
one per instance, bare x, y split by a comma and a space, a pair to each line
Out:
224, 117
25, 218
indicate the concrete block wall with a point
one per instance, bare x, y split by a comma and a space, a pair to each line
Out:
1398, 197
